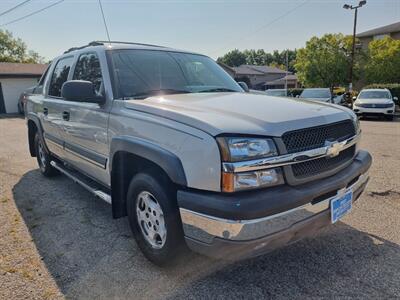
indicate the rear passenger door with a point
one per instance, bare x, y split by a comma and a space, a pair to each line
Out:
85, 129
51, 111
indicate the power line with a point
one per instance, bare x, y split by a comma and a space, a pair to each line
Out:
104, 20
264, 26
14, 8
32, 13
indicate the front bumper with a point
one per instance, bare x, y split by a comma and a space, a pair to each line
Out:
288, 214
373, 111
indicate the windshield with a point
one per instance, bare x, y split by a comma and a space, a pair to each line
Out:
374, 95
316, 93
276, 92
143, 73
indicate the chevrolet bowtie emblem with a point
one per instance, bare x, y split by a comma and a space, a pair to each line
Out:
333, 148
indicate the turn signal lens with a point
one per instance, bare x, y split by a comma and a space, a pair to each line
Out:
232, 182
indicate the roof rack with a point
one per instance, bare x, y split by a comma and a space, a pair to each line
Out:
99, 43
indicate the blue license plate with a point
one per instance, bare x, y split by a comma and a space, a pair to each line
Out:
341, 206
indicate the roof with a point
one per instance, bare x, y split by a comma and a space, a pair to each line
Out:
113, 45
245, 70
266, 69
395, 27
289, 77
20, 69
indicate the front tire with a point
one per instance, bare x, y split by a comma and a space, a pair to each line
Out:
44, 158
154, 218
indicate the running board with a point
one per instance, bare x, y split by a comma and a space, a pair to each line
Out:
84, 182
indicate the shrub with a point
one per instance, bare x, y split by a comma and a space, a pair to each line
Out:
394, 88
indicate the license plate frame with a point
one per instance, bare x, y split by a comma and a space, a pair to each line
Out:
341, 206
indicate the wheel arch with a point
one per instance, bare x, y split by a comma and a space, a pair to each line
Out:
34, 127
129, 156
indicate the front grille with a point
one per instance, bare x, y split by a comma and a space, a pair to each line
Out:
320, 165
375, 105
315, 137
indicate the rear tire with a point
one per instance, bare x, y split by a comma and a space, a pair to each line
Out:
154, 218
44, 158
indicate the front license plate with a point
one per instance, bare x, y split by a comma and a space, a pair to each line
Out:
341, 206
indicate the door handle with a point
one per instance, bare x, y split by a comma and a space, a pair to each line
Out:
45, 111
65, 115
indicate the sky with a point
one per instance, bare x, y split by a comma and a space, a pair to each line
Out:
208, 27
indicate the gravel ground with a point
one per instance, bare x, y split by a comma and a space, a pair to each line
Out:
56, 240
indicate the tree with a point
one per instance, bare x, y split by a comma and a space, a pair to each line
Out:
324, 62
233, 58
383, 63
15, 50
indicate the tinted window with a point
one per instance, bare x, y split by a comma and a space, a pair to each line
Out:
88, 69
316, 93
374, 95
59, 76
141, 73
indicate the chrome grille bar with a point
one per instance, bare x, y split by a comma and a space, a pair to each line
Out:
289, 159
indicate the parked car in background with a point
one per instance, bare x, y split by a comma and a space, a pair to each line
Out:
277, 92
37, 89
375, 102
171, 141
22, 99
317, 94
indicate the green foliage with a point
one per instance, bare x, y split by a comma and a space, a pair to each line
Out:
383, 64
324, 62
234, 58
394, 88
259, 57
15, 50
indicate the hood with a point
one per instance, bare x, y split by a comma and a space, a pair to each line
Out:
374, 101
318, 99
240, 113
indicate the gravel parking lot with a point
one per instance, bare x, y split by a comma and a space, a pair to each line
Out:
56, 240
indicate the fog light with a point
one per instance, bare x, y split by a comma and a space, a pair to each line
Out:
232, 182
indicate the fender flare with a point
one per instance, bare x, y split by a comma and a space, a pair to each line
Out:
165, 159
35, 119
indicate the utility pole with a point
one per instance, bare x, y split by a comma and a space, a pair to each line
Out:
351, 7
287, 70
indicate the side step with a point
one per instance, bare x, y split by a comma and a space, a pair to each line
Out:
87, 183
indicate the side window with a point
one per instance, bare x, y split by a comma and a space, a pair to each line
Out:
88, 69
59, 76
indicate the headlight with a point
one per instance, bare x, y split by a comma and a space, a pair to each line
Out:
233, 182
236, 149
239, 149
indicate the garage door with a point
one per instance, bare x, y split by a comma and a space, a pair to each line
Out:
12, 89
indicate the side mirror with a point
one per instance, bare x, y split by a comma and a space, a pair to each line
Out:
244, 86
80, 91
395, 99
354, 98
297, 96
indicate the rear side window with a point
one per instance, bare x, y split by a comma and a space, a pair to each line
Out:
59, 76
88, 69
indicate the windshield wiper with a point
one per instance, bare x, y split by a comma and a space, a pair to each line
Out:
221, 89
156, 92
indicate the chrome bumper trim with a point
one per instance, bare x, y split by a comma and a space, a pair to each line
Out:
205, 228
290, 159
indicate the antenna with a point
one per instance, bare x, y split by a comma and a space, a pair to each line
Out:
105, 23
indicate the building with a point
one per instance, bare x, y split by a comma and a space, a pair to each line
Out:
289, 81
14, 79
392, 30
257, 76
228, 69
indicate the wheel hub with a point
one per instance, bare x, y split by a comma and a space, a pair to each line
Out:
151, 219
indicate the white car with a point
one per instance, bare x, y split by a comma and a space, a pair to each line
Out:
375, 102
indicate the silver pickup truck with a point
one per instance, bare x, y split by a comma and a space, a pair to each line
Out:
170, 140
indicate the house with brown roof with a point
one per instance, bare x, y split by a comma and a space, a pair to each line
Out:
257, 76
15, 78
392, 30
